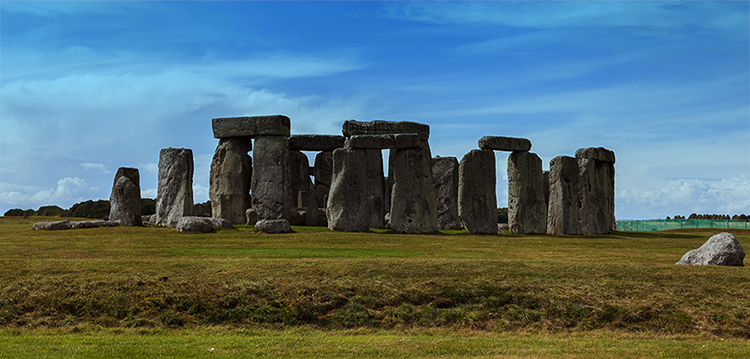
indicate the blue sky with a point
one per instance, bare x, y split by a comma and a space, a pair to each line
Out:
87, 87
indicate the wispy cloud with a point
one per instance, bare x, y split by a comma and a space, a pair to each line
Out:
90, 166
707, 16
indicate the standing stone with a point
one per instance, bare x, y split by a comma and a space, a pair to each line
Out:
303, 190
413, 202
596, 189
527, 212
545, 186
271, 189
174, 198
125, 200
375, 187
323, 173
348, 209
562, 216
445, 177
231, 173
477, 200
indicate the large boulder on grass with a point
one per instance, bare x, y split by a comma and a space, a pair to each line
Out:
274, 226
720, 250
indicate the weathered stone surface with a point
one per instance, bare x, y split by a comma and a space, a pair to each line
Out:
274, 226
125, 199
477, 200
218, 222
251, 126
371, 141
193, 224
375, 187
445, 178
596, 153
399, 140
721, 250
322, 172
348, 208
251, 217
231, 174
545, 187
499, 143
316, 142
271, 188
596, 191
174, 198
353, 128
299, 171
93, 224
201, 224
527, 212
52, 226
148, 219
413, 201
562, 216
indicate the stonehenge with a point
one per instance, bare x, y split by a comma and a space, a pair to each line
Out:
125, 199
174, 198
260, 172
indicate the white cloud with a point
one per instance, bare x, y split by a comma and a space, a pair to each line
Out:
90, 166
67, 192
149, 193
707, 16
683, 197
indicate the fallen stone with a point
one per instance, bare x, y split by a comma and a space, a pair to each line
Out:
271, 183
596, 191
148, 219
52, 226
230, 178
194, 224
251, 217
503, 227
499, 143
413, 201
218, 222
274, 226
378, 127
527, 212
722, 249
596, 153
89, 224
445, 178
316, 142
477, 200
348, 201
125, 199
174, 198
252, 126
562, 216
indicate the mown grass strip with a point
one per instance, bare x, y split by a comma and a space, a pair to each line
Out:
310, 343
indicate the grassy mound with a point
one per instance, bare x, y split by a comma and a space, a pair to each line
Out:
157, 278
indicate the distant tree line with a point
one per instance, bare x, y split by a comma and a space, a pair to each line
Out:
97, 209
736, 217
502, 215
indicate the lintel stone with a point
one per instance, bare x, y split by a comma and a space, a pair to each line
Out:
379, 127
500, 143
316, 142
251, 126
399, 140
596, 153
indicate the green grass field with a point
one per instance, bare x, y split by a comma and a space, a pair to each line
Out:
145, 292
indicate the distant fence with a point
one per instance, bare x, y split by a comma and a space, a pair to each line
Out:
664, 224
